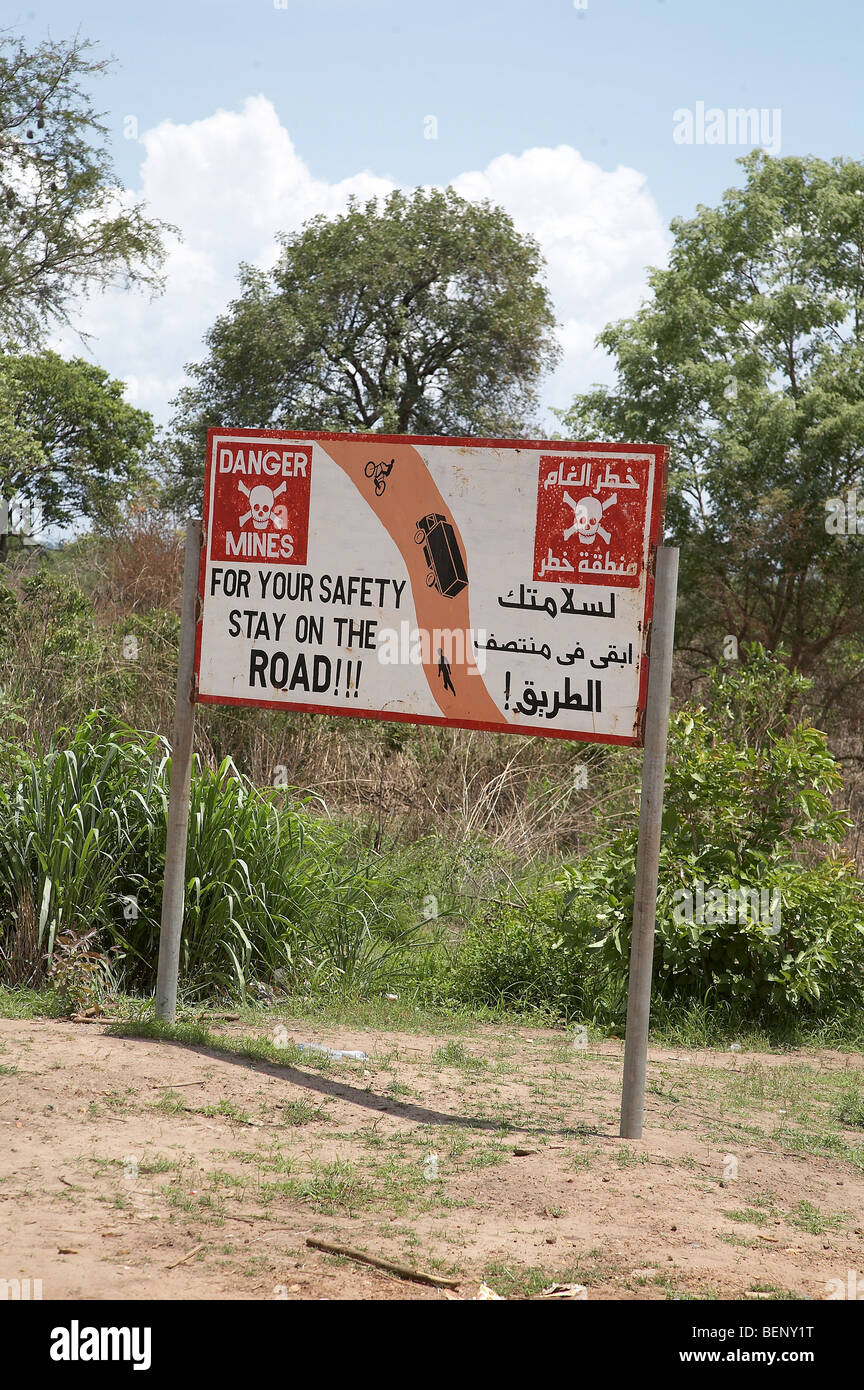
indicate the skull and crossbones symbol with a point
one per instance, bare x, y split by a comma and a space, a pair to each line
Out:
261, 501
587, 516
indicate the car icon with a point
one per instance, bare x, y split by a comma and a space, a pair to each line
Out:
447, 570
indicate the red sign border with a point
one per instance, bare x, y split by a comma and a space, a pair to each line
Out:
658, 513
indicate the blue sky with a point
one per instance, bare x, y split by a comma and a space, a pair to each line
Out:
564, 114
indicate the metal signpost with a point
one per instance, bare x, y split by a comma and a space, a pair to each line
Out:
506, 585
648, 851
173, 893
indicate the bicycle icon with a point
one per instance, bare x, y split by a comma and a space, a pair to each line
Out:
380, 472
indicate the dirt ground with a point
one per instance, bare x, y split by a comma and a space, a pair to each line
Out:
145, 1169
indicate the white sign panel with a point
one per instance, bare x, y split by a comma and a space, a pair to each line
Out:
486, 584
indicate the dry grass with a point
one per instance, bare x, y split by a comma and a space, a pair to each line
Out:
144, 568
22, 963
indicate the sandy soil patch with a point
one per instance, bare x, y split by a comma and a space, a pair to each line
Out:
141, 1169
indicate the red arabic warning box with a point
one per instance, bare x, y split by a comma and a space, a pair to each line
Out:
260, 501
473, 583
591, 517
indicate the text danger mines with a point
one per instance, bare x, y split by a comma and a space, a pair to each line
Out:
268, 489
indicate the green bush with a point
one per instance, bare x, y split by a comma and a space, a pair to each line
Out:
748, 805
529, 955
809, 956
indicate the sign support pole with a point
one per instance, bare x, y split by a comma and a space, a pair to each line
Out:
174, 892
648, 852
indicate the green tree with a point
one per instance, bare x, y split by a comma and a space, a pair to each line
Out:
423, 314
69, 442
748, 359
66, 227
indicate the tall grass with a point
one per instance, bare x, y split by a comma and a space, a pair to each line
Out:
273, 895
69, 830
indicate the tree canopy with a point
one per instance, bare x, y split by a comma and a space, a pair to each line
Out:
748, 359
68, 440
66, 225
422, 313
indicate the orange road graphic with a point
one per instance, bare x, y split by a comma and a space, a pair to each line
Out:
410, 494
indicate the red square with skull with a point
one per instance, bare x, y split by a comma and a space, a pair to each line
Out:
592, 518
260, 499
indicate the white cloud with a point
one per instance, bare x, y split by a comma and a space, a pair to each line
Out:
598, 231
232, 181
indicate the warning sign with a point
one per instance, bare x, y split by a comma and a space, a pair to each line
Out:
503, 585
261, 502
591, 517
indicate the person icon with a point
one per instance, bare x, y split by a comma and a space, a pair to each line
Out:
444, 672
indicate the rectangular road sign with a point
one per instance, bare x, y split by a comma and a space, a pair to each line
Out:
485, 584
